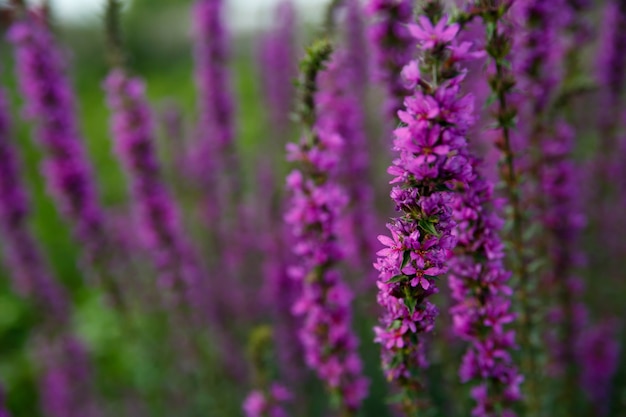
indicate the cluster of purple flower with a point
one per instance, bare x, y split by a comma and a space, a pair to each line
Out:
314, 215
479, 284
267, 404
156, 213
433, 161
50, 103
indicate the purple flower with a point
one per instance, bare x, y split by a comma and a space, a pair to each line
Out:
315, 213
432, 162
28, 268
393, 47
156, 213
341, 111
267, 404
599, 351
277, 63
50, 103
67, 384
430, 36
478, 282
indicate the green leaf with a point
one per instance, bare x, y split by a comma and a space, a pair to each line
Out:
406, 256
397, 278
395, 325
428, 226
411, 303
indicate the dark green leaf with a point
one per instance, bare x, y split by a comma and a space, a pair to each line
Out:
405, 258
397, 278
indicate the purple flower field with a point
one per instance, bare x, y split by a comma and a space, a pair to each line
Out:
405, 208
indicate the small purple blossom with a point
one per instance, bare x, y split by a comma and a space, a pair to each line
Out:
267, 404
430, 36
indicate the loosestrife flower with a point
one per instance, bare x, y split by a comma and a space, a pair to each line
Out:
215, 162
277, 62
356, 45
479, 284
316, 208
50, 102
432, 161
267, 404
340, 111
61, 398
599, 353
68, 379
160, 227
394, 46
24, 258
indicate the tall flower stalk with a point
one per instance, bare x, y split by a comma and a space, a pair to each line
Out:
314, 216
157, 215
278, 67
393, 47
431, 164
29, 271
68, 395
216, 161
479, 283
49, 102
502, 81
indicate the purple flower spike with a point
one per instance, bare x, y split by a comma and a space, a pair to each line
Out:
479, 285
394, 47
277, 63
28, 268
211, 55
599, 351
160, 228
314, 215
50, 103
431, 164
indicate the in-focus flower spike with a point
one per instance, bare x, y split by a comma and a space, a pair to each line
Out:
393, 47
432, 163
314, 216
278, 66
157, 216
479, 284
50, 103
